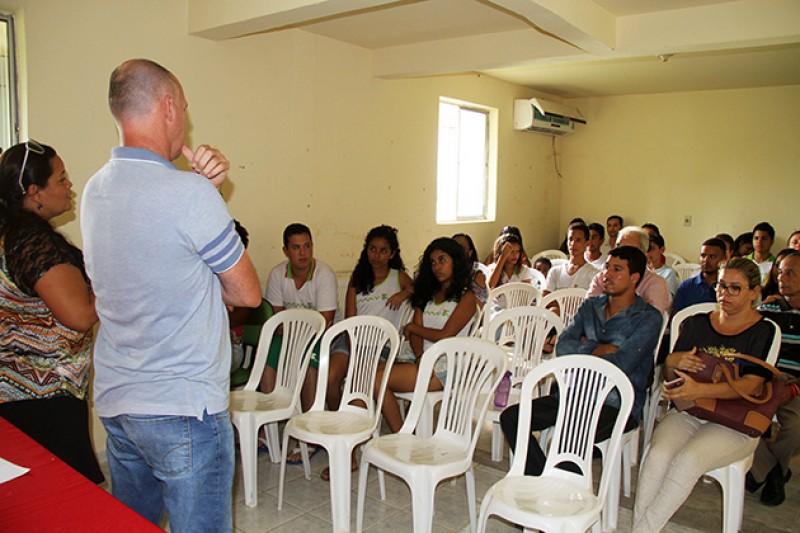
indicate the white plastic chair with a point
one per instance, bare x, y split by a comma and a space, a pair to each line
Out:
672, 259
251, 409
686, 270
357, 418
524, 330
549, 254
560, 500
558, 262
568, 301
473, 365
508, 296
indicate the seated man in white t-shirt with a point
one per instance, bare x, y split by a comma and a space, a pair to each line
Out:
300, 281
594, 253
656, 262
576, 272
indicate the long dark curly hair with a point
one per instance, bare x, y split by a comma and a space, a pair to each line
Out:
363, 278
426, 284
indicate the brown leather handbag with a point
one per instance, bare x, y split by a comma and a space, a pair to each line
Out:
750, 414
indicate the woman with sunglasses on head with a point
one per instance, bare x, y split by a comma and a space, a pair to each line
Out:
684, 447
46, 309
444, 307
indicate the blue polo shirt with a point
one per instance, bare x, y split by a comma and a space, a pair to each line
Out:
693, 291
155, 240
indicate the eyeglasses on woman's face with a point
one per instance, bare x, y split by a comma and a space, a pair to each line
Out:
733, 289
30, 146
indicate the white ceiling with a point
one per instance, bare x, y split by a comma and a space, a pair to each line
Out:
570, 49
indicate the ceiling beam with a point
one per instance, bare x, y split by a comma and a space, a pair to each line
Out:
582, 23
218, 20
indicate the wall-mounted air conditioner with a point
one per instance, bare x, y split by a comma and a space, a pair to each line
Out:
547, 117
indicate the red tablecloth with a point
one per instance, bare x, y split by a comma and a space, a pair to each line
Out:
52, 497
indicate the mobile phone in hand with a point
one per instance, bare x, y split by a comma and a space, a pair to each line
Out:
677, 382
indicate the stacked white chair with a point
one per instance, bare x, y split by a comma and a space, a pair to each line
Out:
473, 366
356, 419
251, 409
523, 331
560, 500
686, 270
548, 254
673, 259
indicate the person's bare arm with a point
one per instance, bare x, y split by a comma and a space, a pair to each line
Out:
64, 291
461, 315
240, 286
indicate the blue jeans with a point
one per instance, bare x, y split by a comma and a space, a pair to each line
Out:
175, 462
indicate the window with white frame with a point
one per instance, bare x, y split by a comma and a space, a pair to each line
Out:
467, 164
9, 115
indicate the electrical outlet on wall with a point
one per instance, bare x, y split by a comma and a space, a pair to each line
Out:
687, 220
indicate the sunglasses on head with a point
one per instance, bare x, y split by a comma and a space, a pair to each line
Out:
30, 146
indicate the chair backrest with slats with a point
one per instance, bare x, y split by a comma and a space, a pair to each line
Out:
686, 270
367, 337
568, 301
683, 314
523, 330
301, 329
584, 383
508, 296
473, 366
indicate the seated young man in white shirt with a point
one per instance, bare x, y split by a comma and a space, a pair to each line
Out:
594, 253
305, 282
576, 272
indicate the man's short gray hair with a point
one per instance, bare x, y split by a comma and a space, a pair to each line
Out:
638, 231
136, 86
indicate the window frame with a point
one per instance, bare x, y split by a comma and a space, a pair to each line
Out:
490, 166
14, 125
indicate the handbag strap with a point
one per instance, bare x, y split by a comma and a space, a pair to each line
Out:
737, 389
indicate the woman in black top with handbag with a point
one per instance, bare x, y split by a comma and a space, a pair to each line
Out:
684, 447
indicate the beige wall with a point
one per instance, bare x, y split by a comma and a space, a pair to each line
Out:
312, 136
729, 159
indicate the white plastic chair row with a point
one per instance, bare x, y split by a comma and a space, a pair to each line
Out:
686, 270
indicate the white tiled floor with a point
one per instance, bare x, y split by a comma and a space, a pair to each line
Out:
306, 507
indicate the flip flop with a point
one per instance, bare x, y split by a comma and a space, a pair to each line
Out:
311, 453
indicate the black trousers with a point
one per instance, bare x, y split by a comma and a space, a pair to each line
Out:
543, 416
60, 424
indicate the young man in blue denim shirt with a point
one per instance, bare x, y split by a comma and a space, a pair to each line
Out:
618, 326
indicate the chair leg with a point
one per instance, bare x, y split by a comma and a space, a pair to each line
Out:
363, 470
497, 443
273, 441
282, 477
470, 475
339, 457
422, 504
248, 447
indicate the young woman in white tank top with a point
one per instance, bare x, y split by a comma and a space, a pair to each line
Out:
444, 306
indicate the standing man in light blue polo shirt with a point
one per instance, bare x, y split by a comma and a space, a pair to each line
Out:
164, 260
